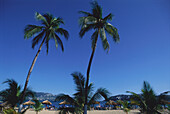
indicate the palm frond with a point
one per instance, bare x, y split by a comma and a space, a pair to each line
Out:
90, 88
41, 18
104, 39
85, 13
36, 39
62, 32
79, 81
96, 9
87, 20
57, 21
29, 93
85, 29
138, 98
58, 41
31, 30
108, 17
101, 92
48, 17
111, 30
65, 97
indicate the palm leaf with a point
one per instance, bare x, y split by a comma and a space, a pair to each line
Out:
111, 30
41, 18
62, 32
58, 41
79, 81
136, 96
66, 98
96, 9
101, 92
87, 20
36, 39
108, 17
104, 39
85, 29
57, 21
31, 30
85, 13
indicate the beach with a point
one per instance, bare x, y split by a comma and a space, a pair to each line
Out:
89, 112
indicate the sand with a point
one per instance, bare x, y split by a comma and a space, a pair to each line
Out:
89, 112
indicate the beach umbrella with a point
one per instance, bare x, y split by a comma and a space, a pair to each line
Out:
95, 102
46, 102
165, 102
64, 103
29, 103
110, 102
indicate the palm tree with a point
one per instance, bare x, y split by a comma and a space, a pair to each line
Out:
38, 106
78, 98
125, 105
148, 101
49, 30
100, 26
12, 95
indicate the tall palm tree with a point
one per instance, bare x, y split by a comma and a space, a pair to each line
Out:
78, 98
12, 95
148, 101
101, 26
49, 30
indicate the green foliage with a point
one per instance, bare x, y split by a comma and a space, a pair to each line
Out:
49, 30
78, 99
100, 25
125, 105
148, 101
9, 111
38, 106
12, 95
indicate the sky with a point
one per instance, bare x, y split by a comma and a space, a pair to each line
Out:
143, 53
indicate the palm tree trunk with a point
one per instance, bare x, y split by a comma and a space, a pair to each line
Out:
30, 70
88, 72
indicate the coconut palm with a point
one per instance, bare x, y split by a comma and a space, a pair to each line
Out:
12, 95
148, 101
78, 98
101, 26
49, 30
125, 105
38, 106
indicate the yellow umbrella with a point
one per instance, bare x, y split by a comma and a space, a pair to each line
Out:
46, 102
29, 103
110, 102
64, 102
95, 102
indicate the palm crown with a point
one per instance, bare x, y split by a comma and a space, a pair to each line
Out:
12, 95
49, 30
78, 98
95, 21
148, 101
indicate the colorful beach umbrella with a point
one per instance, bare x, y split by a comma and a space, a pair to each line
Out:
29, 103
95, 102
47, 102
110, 102
64, 103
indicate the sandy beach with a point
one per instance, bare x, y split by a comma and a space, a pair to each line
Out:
89, 112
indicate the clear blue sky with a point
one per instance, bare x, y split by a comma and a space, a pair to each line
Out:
142, 54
